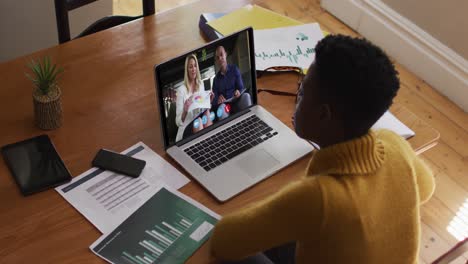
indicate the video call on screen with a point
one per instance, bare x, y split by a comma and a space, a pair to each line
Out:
224, 86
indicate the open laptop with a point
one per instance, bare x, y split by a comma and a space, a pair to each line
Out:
226, 147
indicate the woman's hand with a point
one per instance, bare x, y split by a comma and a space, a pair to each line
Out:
211, 96
187, 103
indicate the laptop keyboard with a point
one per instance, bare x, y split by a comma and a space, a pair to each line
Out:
230, 142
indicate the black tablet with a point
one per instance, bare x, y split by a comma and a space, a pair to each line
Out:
35, 164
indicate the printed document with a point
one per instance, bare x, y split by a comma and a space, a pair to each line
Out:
168, 228
292, 46
200, 100
106, 198
390, 122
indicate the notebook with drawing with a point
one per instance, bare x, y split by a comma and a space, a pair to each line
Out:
233, 144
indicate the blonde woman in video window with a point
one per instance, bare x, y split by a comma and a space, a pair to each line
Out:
192, 84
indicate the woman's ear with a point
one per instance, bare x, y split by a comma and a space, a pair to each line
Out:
325, 112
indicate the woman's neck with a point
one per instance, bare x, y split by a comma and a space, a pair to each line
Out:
193, 85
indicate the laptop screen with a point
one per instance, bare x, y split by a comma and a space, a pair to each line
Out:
205, 88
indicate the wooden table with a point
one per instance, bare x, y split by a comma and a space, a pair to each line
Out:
109, 101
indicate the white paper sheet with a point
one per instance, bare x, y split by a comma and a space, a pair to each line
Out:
390, 122
106, 199
286, 46
201, 100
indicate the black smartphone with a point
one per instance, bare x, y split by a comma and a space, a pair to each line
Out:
120, 163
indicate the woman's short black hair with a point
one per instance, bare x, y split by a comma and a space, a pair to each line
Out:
358, 75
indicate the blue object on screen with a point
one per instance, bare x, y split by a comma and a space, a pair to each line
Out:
196, 123
223, 111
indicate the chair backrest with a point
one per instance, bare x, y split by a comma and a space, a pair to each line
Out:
62, 7
454, 253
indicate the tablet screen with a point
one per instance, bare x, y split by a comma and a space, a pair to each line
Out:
35, 164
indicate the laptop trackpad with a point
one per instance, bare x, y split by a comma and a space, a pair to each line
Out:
256, 163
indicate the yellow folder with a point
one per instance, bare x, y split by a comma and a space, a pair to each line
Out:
251, 15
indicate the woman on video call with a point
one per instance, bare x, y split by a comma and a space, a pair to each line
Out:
192, 84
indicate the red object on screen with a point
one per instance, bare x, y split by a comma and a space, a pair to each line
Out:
227, 108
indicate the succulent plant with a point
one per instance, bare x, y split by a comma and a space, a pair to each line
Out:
44, 74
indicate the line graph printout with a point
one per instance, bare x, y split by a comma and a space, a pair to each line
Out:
293, 56
168, 228
286, 46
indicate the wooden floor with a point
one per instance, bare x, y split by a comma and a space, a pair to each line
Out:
448, 160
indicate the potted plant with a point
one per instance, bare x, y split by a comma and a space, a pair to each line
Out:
46, 93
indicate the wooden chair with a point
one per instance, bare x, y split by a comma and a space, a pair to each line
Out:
62, 7
454, 253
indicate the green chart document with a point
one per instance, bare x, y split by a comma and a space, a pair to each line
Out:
168, 228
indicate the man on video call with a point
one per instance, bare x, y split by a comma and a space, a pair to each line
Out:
228, 83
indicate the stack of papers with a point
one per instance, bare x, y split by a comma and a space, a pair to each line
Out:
251, 16
106, 198
144, 219
279, 40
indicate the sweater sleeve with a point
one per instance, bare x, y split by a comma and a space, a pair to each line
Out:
292, 213
424, 179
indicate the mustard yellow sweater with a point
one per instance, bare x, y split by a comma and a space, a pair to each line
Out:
358, 203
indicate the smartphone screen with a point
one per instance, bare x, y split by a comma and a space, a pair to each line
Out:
120, 163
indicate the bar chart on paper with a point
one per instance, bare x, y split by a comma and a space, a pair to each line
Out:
163, 236
166, 229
